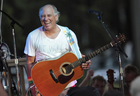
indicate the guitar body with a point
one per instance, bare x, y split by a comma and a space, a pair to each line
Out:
49, 76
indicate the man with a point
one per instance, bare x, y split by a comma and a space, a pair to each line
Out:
49, 41
97, 81
135, 87
130, 73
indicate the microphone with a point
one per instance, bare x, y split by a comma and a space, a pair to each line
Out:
95, 12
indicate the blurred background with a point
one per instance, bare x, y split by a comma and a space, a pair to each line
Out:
120, 16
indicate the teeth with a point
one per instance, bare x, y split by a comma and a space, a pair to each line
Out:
47, 22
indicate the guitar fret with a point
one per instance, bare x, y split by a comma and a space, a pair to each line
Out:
90, 56
94, 54
104, 47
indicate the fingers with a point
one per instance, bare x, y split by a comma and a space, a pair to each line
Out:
86, 65
83, 55
89, 61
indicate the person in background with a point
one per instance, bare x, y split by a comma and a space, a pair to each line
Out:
135, 87
130, 73
113, 93
50, 41
97, 81
83, 91
87, 79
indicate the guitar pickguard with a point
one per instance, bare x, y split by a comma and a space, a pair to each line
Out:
63, 79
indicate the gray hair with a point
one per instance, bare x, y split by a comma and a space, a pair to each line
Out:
55, 11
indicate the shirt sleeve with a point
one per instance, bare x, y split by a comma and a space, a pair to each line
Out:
75, 39
29, 47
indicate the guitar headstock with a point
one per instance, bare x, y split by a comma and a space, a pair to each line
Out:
121, 38
110, 75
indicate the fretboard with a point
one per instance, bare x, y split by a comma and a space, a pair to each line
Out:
90, 56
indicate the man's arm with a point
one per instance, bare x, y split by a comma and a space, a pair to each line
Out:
30, 60
87, 78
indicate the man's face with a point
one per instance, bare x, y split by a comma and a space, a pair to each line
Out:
100, 85
128, 78
48, 19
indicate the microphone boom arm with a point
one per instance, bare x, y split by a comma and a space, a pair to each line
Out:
119, 48
13, 21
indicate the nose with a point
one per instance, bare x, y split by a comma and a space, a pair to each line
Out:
45, 17
99, 88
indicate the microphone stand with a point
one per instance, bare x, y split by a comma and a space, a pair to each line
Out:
121, 73
118, 49
15, 54
16, 60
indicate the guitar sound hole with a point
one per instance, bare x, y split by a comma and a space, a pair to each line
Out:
66, 69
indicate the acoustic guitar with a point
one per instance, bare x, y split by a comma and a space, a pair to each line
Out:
111, 79
52, 76
110, 75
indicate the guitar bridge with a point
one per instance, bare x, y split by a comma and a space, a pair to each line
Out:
53, 76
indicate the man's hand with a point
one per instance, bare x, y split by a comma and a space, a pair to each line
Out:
87, 64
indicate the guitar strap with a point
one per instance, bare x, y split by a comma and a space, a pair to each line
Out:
72, 43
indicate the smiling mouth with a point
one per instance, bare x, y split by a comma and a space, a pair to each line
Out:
47, 24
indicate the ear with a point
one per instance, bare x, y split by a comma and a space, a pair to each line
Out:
56, 17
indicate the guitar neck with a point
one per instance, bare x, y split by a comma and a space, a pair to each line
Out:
91, 55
